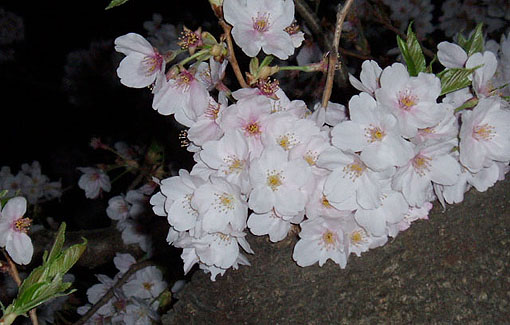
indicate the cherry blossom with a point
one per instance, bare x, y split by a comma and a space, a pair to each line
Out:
13, 231
321, 239
261, 25
93, 181
485, 135
411, 99
277, 182
142, 65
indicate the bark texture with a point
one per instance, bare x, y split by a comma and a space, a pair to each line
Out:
453, 268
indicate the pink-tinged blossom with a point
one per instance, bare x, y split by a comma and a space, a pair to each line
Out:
272, 224
179, 191
220, 207
288, 131
369, 77
147, 283
310, 151
214, 249
351, 182
229, 158
411, 99
142, 65
413, 214
485, 135
321, 239
373, 131
445, 130
184, 96
207, 126
212, 73
318, 204
250, 117
13, 231
214, 271
278, 183
432, 163
261, 24
93, 181
358, 240
123, 261
483, 82
131, 205
391, 211
331, 115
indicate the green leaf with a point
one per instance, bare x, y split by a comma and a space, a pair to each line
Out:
474, 43
254, 66
267, 61
412, 53
115, 3
58, 244
454, 79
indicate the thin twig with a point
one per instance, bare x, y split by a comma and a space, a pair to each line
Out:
231, 54
333, 55
111, 292
13, 272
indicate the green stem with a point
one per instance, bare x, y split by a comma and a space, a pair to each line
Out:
304, 68
8, 319
193, 57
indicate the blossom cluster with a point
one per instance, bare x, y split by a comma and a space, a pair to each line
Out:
348, 177
29, 182
135, 302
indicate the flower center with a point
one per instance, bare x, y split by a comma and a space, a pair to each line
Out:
184, 80
406, 100
325, 202
374, 134
21, 224
212, 111
148, 285
268, 87
484, 132
153, 63
329, 239
261, 22
286, 141
225, 202
355, 169
252, 129
358, 237
310, 157
274, 179
235, 165
421, 164
189, 39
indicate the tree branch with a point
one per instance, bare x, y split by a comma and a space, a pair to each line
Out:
231, 54
333, 54
111, 292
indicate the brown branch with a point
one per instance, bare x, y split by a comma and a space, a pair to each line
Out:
333, 55
111, 292
13, 272
231, 54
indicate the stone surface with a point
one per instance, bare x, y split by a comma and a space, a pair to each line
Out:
452, 268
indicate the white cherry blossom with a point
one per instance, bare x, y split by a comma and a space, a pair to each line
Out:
321, 239
142, 65
261, 24
13, 231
